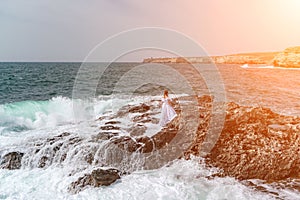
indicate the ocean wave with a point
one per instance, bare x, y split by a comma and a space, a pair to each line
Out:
26, 115
246, 66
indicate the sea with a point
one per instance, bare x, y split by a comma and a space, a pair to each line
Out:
40, 100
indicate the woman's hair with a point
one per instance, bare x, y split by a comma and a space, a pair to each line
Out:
166, 93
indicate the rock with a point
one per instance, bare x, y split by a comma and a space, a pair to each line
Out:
43, 161
256, 143
109, 127
125, 110
127, 143
56, 138
145, 118
98, 177
104, 136
137, 130
112, 122
164, 136
148, 144
80, 184
142, 117
104, 177
12, 160
139, 109
289, 58
74, 140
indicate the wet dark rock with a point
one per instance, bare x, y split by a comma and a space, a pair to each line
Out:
74, 140
12, 160
112, 122
164, 137
109, 127
105, 177
97, 178
145, 118
127, 143
104, 136
141, 117
80, 184
205, 105
139, 109
89, 158
137, 130
37, 150
103, 118
43, 162
142, 108
57, 147
57, 138
256, 143
148, 144
63, 157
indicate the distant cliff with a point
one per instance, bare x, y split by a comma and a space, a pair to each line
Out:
246, 58
289, 58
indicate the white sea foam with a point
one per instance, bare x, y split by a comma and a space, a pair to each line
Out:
22, 121
246, 66
29, 115
181, 180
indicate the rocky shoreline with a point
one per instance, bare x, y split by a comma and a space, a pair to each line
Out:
255, 143
247, 58
289, 58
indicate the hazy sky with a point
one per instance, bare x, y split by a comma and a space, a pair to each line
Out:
67, 30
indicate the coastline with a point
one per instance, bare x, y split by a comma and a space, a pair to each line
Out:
289, 58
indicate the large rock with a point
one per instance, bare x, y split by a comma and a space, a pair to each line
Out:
289, 58
147, 144
257, 143
12, 160
98, 177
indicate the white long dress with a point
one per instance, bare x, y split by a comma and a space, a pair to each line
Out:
167, 112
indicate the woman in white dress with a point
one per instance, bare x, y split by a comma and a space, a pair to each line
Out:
167, 112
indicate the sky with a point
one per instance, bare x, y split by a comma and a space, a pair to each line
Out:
67, 30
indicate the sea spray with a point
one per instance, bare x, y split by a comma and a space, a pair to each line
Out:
28, 115
20, 116
180, 180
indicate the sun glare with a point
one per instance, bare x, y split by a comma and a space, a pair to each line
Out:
290, 7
